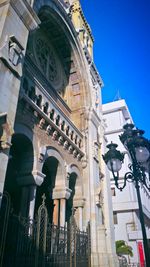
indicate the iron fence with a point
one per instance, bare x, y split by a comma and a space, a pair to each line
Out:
37, 243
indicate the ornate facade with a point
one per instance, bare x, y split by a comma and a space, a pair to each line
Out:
51, 130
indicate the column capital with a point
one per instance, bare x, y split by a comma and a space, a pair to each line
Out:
59, 193
35, 178
79, 202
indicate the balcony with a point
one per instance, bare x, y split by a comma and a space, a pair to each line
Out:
52, 118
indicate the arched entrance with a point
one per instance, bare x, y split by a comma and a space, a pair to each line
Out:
19, 167
50, 167
75, 204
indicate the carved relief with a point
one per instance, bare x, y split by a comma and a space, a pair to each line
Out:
11, 53
15, 51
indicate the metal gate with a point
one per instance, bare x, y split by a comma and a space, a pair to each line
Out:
24, 242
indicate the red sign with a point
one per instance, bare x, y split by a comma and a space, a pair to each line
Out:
141, 253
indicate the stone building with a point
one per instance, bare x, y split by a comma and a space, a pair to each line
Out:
51, 128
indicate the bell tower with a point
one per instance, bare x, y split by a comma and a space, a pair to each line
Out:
82, 27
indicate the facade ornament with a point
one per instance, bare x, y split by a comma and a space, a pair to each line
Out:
75, 152
15, 51
70, 149
60, 140
66, 144
99, 198
42, 123
11, 53
49, 130
79, 156
55, 135
83, 162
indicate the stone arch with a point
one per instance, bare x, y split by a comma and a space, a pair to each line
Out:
19, 172
72, 168
63, 37
24, 129
55, 179
76, 187
51, 152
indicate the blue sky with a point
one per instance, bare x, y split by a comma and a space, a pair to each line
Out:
121, 30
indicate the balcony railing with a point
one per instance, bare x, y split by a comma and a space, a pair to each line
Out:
53, 119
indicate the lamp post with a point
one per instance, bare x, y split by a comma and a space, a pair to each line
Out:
138, 148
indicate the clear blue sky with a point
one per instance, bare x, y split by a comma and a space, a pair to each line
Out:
121, 30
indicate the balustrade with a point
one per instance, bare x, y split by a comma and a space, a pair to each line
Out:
53, 120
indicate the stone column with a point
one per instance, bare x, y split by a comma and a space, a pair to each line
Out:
80, 210
78, 204
56, 212
61, 194
29, 184
62, 212
32, 195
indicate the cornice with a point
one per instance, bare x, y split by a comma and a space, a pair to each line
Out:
26, 13
96, 74
76, 8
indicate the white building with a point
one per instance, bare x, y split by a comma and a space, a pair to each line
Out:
125, 205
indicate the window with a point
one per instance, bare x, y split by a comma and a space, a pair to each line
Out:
115, 217
113, 192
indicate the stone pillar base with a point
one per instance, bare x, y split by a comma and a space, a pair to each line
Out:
104, 260
113, 260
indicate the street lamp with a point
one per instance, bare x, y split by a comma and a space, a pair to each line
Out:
139, 152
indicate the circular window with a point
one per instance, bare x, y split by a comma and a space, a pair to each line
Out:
48, 61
